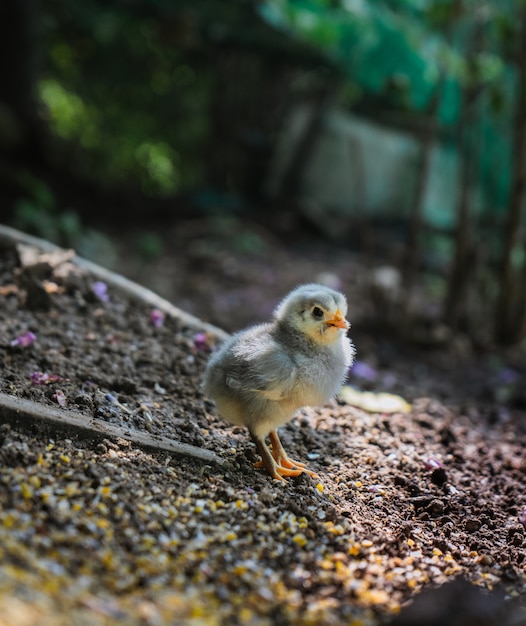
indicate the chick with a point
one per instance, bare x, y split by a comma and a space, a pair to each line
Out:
262, 375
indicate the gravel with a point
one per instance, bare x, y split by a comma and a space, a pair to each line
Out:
101, 531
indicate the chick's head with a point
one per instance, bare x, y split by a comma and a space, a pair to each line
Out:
316, 311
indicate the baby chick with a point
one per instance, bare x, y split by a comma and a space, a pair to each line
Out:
262, 375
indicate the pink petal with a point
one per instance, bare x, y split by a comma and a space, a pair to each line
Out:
432, 464
39, 378
43, 378
201, 341
157, 318
24, 340
60, 397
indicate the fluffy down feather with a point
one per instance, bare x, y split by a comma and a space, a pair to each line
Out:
261, 376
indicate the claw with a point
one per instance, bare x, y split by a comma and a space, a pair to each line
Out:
276, 461
286, 461
283, 459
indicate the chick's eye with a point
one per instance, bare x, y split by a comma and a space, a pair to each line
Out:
317, 313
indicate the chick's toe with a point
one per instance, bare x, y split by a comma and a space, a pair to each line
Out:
276, 461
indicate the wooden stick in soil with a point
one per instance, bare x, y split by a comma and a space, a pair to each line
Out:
29, 415
10, 236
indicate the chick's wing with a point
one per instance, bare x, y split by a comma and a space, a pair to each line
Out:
262, 366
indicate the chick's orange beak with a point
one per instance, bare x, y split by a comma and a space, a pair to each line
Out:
338, 320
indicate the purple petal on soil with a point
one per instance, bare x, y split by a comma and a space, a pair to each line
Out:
157, 318
201, 341
364, 371
432, 464
43, 378
38, 378
100, 289
522, 516
24, 340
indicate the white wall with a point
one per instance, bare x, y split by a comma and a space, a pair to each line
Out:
359, 166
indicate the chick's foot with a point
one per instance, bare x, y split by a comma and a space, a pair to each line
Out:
276, 461
283, 459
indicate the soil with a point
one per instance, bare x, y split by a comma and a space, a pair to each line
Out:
410, 499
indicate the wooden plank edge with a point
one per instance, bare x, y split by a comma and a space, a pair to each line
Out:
11, 236
29, 415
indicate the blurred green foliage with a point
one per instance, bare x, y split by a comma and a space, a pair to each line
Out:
137, 86
37, 212
394, 53
153, 99
126, 95
149, 245
374, 43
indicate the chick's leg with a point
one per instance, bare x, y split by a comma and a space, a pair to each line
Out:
279, 454
282, 458
268, 462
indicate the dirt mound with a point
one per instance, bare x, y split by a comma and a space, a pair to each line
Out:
134, 534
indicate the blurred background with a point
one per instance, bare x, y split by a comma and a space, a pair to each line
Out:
221, 152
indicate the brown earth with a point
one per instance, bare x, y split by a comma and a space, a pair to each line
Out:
99, 531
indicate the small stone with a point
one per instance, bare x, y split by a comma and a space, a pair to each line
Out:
485, 559
439, 476
471, 525
436, 507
